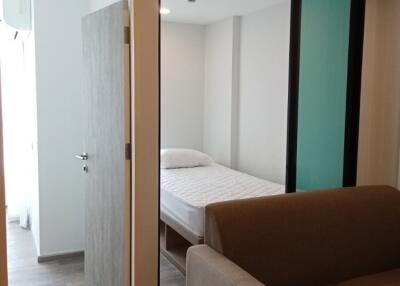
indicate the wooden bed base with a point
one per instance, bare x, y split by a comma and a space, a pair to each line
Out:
175, 240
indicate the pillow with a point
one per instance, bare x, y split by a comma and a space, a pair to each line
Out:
183, 158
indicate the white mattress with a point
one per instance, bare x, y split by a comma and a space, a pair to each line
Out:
186, 192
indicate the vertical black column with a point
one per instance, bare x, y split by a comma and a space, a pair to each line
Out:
294, 70
354, 78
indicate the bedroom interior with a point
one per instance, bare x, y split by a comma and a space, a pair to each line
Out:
224, 97
232, 106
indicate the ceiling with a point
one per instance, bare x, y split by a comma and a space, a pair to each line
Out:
209, 11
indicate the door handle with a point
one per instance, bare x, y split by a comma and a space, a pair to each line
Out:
83, 157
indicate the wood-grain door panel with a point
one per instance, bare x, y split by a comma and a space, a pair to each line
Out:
106, 63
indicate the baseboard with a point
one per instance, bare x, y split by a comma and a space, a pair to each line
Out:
53, 257
13, 219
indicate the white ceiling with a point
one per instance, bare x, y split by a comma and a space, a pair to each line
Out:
209, 11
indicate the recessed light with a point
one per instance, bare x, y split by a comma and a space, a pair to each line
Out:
164, 11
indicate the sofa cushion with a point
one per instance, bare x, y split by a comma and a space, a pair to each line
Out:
388, 278
315, 238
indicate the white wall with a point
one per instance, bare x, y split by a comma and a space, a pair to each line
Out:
196, 87
264, 69
95, 5
182, 85
218, 91
30, 61
57, 27
246, 67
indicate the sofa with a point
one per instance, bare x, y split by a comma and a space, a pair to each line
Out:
345, 237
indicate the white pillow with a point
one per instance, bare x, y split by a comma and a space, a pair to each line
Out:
183, 158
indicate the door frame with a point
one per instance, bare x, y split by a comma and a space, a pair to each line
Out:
145, 19
3, 226
128, 143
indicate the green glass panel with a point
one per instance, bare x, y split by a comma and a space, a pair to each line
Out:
322, 95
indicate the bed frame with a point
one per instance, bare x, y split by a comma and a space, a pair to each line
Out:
175, 239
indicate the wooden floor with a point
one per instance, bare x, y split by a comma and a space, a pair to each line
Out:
169, 274
24, 270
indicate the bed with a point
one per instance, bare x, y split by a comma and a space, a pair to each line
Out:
185, 192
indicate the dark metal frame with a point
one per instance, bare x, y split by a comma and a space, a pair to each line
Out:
354, 78
293, 102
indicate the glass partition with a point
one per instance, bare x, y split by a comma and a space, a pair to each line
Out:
322, 93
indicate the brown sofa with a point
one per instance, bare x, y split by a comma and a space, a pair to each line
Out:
346, 237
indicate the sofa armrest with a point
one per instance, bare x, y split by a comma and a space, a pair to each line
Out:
206, 267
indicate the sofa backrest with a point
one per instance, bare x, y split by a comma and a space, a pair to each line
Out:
316, 238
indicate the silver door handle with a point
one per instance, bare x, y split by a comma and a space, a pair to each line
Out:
83, 157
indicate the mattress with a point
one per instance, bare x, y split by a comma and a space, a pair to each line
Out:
186, 192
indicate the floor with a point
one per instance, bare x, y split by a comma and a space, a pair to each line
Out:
169, 275
24, 270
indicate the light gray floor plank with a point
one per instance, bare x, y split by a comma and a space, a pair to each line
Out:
169, 274
23, 268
